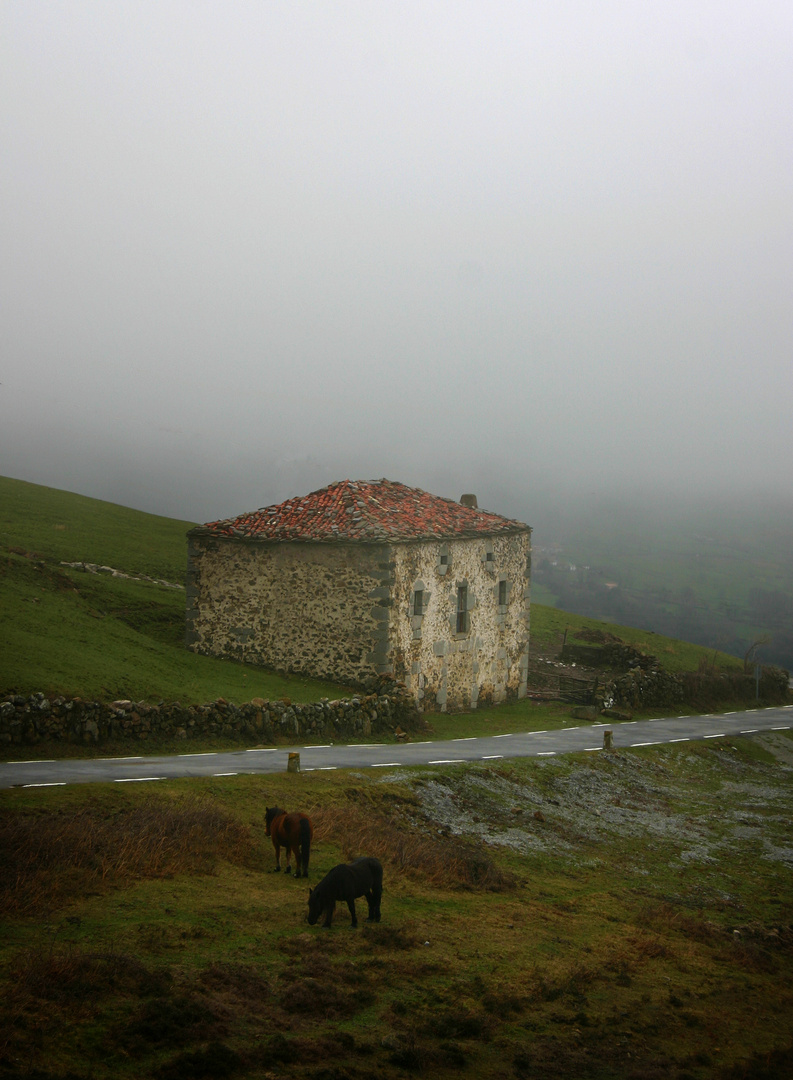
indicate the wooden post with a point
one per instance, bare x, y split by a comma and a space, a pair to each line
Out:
608, 741
293, 765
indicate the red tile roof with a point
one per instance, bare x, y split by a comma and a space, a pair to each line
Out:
367, 511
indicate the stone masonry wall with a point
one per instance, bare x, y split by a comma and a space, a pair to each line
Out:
35, 719
316, 609
488, 661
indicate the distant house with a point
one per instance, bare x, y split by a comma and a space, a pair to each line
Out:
367, 578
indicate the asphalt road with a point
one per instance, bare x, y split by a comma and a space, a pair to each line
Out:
587, 737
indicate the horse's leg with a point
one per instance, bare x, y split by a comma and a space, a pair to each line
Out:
277, 847
370, 904
288, 847
329, 914
296, 849
351, 906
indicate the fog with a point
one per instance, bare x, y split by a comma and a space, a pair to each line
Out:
533, 251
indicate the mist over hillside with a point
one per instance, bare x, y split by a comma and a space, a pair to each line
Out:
716, 571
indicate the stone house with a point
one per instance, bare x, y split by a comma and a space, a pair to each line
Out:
361, 579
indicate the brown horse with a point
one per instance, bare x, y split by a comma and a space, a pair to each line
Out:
293, 832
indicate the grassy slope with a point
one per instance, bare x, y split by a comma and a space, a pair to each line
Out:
582, 924
70, 632
66, 631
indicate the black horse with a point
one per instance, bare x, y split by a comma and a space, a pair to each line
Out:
364, 877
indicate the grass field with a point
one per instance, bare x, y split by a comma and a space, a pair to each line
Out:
578, 917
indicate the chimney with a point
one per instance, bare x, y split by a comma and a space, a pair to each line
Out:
469, 500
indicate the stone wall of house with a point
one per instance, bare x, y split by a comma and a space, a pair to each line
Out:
488, 660
27, 720
315, 609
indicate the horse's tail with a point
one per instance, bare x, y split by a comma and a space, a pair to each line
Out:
305, 842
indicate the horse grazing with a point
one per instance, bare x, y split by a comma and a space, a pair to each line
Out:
293, 832
364, 877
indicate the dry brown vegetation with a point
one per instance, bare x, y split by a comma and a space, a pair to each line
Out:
49, 859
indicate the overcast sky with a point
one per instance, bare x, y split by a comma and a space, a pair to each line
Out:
249, 248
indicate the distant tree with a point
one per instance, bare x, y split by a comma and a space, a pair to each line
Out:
750, 655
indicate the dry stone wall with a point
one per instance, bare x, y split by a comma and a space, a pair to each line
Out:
27, 720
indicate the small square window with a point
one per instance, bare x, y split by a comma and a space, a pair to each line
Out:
444, 560
488, 556
502, 593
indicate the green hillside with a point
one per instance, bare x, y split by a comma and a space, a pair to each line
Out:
97, 636
68, 631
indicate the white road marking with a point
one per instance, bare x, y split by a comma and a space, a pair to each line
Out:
509, 736
468, 738
262, 750
225, 774
59, 783
547, 753
447, 761
750, 731
207, 753
785, 727
36, 761
138, 757
386, 764
492, 757
680, 740
718, 735
645, 744
137, 779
